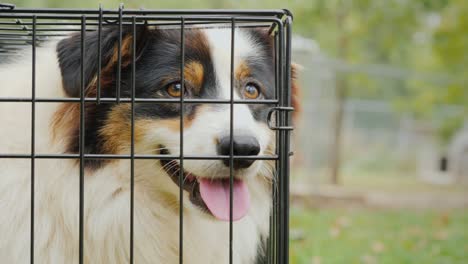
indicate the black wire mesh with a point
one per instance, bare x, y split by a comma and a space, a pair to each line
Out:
34, 27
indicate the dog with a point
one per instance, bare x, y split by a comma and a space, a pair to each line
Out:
206, 131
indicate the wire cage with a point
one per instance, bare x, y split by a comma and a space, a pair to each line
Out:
22, 29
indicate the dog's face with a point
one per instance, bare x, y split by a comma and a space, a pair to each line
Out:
206, 127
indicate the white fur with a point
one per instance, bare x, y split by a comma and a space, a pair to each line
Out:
107, 194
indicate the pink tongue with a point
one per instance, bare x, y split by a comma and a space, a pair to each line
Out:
215, 194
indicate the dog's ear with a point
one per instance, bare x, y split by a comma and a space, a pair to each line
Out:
295, 91
69, 55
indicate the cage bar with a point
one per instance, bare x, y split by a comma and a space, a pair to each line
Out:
137, 100
33, 136
20, 27
175, 12
132, 143
98, 92
137, 156
82, 138
119, 55
181, 140
231, 139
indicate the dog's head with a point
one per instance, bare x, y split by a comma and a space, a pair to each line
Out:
206, 127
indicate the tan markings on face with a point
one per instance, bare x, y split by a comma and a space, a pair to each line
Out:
194, 73
117, 129
107, 72
174, 123
125, 52
243, 71
65, 121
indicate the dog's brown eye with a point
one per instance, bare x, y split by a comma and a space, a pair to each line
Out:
174, 89
251, 91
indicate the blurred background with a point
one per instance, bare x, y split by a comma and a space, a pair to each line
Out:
380, 172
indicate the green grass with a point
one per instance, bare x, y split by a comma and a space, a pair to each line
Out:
371, 236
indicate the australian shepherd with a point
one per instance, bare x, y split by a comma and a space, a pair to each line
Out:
156, 131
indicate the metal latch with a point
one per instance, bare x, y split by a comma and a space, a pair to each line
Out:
278, 109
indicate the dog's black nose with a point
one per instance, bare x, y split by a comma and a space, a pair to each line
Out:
243, 146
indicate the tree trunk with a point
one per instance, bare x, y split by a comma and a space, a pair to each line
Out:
335, 161
340, 99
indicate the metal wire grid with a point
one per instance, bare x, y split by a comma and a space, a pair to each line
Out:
25, 25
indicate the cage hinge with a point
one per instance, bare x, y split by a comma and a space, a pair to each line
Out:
278, 109
7, 6
287, 13
274, 27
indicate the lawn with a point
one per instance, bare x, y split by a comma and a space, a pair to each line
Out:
321, 236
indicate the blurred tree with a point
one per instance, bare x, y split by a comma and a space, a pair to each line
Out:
362, 32
450, 46
410, 52
439, 49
